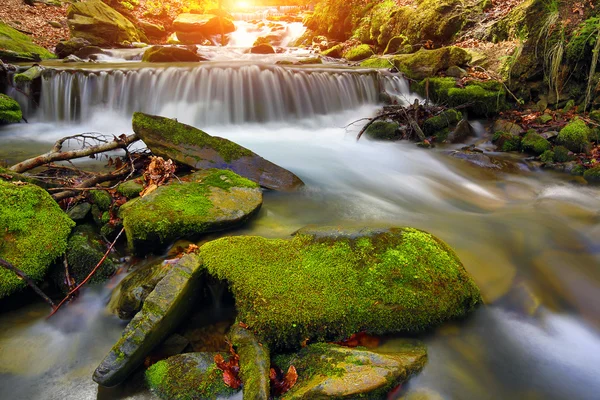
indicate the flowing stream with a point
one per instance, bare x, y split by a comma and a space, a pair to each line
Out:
531, 239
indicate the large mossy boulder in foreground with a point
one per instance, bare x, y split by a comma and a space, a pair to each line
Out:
207, 201
100, 24
33, 233
162, 311
18, 47
10, 110
328, 371
327, 284
188, 376
427, 63
197, 149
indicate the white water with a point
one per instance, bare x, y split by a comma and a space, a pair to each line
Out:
246, 33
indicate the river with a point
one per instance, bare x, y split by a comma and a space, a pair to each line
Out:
530, 238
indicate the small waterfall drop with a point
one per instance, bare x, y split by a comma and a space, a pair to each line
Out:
212, 94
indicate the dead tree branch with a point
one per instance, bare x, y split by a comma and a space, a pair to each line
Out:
56, 154
28, 280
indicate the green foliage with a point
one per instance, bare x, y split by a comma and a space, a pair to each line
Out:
592, 175
34, 233
575, 136
534, 143
547, 157
10, 110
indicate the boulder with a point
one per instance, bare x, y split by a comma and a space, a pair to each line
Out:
188, 376
503, 125
65, 48
441, 121
129, 295
506, 142
334, 52
89, 52
80, 211
427, 63
255, 363
24, 78
162, 311
263, 48
384, 130
33, 234
197, 149
152, 30
207, 201
461, 132
195, 28
575, 136
99, 24
534, 143
10, 110
330, 371
18, 47
130, 189
171, 54
358, 53
328, 283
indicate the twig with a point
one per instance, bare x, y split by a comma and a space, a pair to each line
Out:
364, 129
28, 280
68, 296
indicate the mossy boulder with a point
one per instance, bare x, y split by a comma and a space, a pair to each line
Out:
592, 175
18, 47
358, 53
65, 48
575, 136
377, 62
129, 295
441, 121
85, 249
197, 149
130, 189
170, 54
547, 157
101, 198
196, 28
427, 63
562, 154
384, 130
534, 143
263, 48
31, 74
330, 371
101, 25
163, 310
394, 44
334, 52
479, 98
328, 283
208, 201
33, 234
505, 141
189, 376
255, 363
10, 110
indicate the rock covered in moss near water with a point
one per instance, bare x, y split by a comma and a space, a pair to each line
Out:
263, 48
33, 233
329, 283
18, 47
331, 371
99, 24
534, 143
162, 311
189, 376
358, 53
208, 201
255, 363
384, 130
427, 63
197, 149
171, 54
10, 110
575, 136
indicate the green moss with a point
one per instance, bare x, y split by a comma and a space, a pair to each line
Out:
101, 198
10, 111
578, 170
130, 189
561, 154
170, 54
334, 52
547, 156
358, 53
394, 44
15, 46
592, 175
183, 134
441, 121
575, 136
534, 143
377, 62
383, 130
34, 233
427, 63
309, 361
317, 287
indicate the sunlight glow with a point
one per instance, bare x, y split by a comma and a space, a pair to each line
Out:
242, 4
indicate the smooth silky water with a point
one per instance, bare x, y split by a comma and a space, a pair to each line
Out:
529, 238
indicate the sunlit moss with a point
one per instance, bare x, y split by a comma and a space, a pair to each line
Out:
575, 136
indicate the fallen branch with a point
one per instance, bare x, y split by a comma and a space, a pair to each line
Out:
28, 280
381, 116
56, 154
68, 296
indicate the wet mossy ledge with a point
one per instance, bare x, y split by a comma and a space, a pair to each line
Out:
10, 110
34, 233
328, 283
18, 47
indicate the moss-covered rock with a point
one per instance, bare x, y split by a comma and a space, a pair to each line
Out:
561, 154
129, 295
10, 110
575, 136
197, 149
334, 52
331, 371
394, 44
162, 311
18, 47
28, 76
210, 200
130, 189
377, 62
255, 363
358, 53
427, 63
534, 143
505, 141
101, 25
189, 376
263, 48
79, 212
170, 54
329, 283
65, 48
101, 198
592, 175
547, 157
441, 121
33, 233
384, 130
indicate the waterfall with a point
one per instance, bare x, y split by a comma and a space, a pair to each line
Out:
211, 94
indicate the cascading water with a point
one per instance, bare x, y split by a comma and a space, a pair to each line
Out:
212, 94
